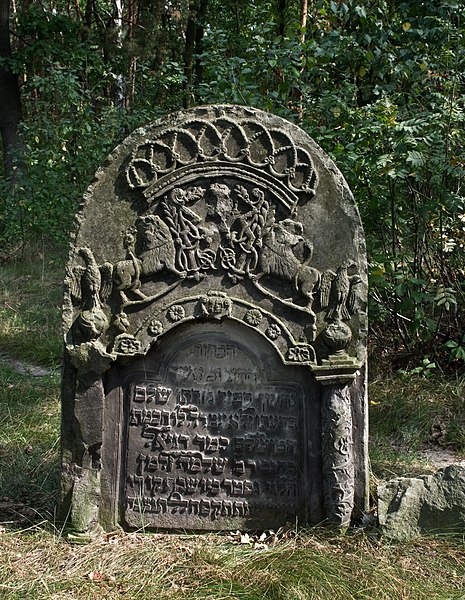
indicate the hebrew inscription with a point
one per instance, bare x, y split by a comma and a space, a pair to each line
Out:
212, 442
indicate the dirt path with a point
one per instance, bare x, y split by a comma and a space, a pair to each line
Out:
440, 458
24, 368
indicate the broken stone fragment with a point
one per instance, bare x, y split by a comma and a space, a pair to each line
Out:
429, 504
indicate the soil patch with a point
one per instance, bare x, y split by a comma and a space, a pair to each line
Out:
24, 368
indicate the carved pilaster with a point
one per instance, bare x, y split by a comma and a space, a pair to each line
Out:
337, 447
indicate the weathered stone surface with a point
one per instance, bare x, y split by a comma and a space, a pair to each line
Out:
434, 504
215, 330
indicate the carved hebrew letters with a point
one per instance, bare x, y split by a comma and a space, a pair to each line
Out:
211, 442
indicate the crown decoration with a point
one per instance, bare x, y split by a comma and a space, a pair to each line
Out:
199, 143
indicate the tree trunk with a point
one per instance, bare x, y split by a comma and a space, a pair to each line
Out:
281, 17
132, 20
303, 18
189, 46
303, 25
10, 99
119, 97
199, 40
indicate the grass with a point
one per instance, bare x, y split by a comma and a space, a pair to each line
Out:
411, 414
37, 563
307, 565
29, 445
30, 308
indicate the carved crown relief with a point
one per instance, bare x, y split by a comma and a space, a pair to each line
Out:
230, 145
224, 198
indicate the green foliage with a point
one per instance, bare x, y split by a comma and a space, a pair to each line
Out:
380, 88
393, 123
71, 123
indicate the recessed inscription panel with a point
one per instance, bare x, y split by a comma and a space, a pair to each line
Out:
212, 443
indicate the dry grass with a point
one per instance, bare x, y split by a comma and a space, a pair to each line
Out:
316, 565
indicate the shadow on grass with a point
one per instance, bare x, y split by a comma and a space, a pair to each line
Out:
29, 447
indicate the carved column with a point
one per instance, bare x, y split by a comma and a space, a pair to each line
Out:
82, 436
337, 450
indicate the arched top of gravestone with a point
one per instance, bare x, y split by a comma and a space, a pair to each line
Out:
219, 212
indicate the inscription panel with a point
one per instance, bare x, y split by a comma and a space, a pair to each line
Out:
212, 444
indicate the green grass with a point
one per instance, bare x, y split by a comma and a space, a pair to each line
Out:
36, 562
410, 414
29, 445
30, 308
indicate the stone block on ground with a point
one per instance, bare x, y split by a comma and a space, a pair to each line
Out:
429, 504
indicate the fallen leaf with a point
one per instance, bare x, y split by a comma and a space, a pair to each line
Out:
258, 546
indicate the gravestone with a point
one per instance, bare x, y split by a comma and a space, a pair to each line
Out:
215, 332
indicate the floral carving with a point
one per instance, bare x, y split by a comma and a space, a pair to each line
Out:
127, 344
273, 331
301, 354
155, 328
176, 313
253, 317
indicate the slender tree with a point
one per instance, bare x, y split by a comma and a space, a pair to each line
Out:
281, 14
10, 99
193, 43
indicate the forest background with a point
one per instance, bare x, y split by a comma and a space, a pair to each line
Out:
379, 85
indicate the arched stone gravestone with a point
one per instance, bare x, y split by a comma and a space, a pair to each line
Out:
215, 331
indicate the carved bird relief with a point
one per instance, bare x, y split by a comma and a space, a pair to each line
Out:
339, 293
90, 287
